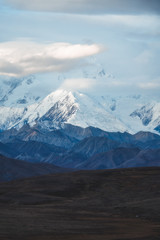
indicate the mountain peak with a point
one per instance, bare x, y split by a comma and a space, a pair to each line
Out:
73, 107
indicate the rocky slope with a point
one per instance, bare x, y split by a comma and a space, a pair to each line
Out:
81, 148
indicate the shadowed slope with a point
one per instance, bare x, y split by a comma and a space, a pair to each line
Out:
14, 169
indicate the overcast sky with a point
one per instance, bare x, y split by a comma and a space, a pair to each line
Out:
45, 37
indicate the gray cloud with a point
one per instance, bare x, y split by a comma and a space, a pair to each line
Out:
89, 6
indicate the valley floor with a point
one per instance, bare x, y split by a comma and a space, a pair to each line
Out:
86, 205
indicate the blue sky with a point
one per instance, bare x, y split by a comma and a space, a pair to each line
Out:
45, 37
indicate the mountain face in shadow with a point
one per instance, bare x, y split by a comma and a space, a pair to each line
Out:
17, 169
147, 157
111, 159
93, 145
81, 148
36, 133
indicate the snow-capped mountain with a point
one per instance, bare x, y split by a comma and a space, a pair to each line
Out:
18, 92
31, 89
61, 107
149, 115
30, 100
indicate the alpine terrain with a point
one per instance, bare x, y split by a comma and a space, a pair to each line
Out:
22, 101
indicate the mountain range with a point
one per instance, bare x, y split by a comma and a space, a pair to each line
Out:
61, 107
29, 100
76, 148
64, 129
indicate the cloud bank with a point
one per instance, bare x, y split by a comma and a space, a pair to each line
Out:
89, 6
24, 58
150, 23
74, 84
154, 84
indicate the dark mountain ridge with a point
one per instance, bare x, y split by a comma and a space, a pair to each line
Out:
81, 148
17, 169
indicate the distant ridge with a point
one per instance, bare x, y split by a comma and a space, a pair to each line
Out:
11, 169
77, 148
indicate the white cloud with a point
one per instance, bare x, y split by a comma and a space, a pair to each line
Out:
23, 58
73, 84
145, 82
149, 85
